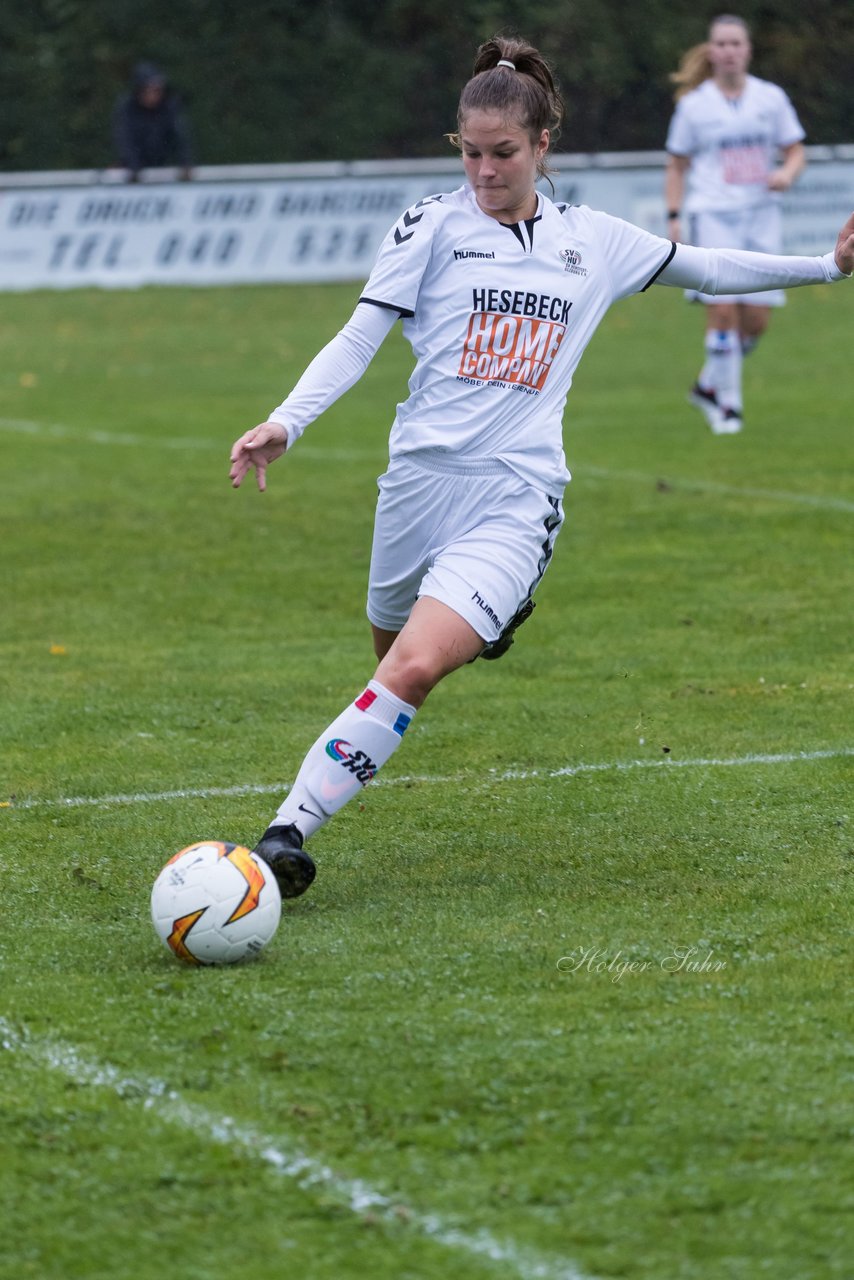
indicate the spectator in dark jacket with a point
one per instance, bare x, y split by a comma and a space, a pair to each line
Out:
150, 129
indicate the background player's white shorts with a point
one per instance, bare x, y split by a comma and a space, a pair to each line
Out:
466, 531
759, 229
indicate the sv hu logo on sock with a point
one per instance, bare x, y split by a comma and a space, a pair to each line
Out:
358, 762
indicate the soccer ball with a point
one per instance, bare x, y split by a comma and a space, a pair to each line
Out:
215, 903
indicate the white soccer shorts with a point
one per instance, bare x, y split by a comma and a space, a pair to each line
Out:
467, 532
759, 229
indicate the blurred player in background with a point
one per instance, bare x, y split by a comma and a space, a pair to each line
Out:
500, 290
725, 135
150, 129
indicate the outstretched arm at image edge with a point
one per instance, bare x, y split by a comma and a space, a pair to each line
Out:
336, 368
742, 271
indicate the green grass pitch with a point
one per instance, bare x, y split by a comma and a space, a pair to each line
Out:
566, 1000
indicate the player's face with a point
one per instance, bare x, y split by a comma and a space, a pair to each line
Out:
729, 49
501, 164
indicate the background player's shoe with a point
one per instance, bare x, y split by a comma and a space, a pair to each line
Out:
731, 422
281, 848
707, 402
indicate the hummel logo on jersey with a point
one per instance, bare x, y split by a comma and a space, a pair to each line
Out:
571, 260
488, 610
460, 254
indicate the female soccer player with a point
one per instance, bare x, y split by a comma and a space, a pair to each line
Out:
500, 291
725, 135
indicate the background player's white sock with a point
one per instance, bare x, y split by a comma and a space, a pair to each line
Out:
706, 376
345, 757
722, 371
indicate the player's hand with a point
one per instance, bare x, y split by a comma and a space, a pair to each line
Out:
779, 180
674, 229
845, 247
257, 449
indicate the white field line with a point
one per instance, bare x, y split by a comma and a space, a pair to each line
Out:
822, 501
468, 780
357, 1196
57, 431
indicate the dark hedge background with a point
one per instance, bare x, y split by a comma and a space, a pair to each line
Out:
284, 80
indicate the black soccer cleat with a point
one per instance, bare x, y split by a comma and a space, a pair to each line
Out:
704, 399
281, 848
498, 648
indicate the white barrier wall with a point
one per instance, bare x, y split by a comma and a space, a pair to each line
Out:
307, 223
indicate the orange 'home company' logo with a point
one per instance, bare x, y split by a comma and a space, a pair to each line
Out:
510, 348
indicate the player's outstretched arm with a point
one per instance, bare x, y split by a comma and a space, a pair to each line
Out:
256, 449
845, 247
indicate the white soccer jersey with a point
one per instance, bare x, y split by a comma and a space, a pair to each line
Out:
732, 143
498, 317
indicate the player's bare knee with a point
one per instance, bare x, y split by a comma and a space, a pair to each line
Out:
417, 676
753, 325
722, 316
409, 674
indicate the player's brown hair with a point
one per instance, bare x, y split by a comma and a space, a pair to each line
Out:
694, 65
526, 93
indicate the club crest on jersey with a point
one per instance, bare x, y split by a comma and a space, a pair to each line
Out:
571, 260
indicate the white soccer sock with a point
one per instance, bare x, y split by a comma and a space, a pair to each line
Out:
706, 376
722, 371
345, 758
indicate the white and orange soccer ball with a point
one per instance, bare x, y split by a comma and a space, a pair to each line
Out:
215, 903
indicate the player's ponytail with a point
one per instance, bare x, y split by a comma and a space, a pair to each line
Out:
694, 67
512, 77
